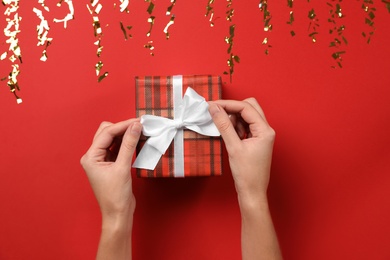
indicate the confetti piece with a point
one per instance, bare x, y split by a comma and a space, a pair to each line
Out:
102, 77
3, 56
69, 16
123, 30
263, 7
313, 25
42, 32
210, 12
125, 33
336, 16
150, 7
123, 6
151, 21
171, 21
98, 67
150, 46
368, 7
290, 4
11, 31
169, 9
94, 9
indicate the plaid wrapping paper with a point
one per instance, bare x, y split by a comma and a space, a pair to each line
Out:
202, 154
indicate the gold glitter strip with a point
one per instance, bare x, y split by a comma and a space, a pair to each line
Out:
290, 4
11, 31
94, 9
169, 9
42, 31
171, 21
336, 15
123, 6
313, 24
210, 12
387, 3
69, 16
263, 7
150, 46
368, 7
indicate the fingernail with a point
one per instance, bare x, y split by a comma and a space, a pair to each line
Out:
214, 108
136, 128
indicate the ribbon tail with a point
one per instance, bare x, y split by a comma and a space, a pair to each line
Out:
147, 158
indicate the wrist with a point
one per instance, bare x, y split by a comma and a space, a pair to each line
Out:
117, 224
118, 221
250, 202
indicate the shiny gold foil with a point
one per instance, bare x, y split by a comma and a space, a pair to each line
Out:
313, 24
368, 7
69, 16
150, 46
151, 21
171, 21
267, 27
210, 11
11, 32
43, 31
94, 9
103, 76
169, 9
337, 31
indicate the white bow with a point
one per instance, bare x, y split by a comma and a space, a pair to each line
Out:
192, 114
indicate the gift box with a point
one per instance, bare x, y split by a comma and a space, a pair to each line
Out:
201, 155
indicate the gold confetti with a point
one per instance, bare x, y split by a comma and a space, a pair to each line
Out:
387, 3
123, 6
232, 58
94, 9
151, 21
150, 7
263, 7
210, 12
102, 77
151, 17
150, 46
42, 2
171, 21
313, 25
11, 31
69, 16
368, 7
98, 67
335, 16
169, 9
42, 31
124, 30
290, 4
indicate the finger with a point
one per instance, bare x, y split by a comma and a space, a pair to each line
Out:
248, 113
129, 143
103, 125
256, 105
239, 125
104, 139
224, 125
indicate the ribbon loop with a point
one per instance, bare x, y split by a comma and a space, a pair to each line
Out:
191, 114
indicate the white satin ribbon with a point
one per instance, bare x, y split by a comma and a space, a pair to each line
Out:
192, 113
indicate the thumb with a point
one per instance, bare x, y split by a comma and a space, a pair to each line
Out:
224, 125
129, 143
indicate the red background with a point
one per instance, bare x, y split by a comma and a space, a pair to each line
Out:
329, 190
